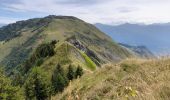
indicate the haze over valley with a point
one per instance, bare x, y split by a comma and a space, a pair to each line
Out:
154, 36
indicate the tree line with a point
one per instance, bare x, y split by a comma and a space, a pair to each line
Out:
33, 83
37, 86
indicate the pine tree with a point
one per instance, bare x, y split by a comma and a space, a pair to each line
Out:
37, 86
71, 73
79, 72
59, 81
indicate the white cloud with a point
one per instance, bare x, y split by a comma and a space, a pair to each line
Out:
109, 11
7, 20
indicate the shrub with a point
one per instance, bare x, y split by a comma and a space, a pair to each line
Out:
39, 62
7, 91
129, 67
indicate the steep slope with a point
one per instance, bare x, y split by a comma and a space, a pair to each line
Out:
129, 80
141, 51
67, 54
19, 40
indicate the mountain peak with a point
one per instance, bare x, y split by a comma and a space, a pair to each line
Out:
61, 17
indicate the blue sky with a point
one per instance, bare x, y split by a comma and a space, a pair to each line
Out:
92, 11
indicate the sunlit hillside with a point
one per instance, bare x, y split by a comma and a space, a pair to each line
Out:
66, 58
132, 79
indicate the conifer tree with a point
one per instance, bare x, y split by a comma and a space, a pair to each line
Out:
37, 86
59, 81
79, 72
71, 73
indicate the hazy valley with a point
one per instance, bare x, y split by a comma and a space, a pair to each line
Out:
154, 36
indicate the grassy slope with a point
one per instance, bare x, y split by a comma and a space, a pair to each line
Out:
67, 54
97, 41
17, 49
88, 61
131, 79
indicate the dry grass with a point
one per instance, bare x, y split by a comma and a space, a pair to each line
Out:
132, 79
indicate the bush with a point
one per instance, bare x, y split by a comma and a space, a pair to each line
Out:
17, 79
129, 67
7, 91
39, 62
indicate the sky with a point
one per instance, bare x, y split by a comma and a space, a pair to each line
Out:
92, 11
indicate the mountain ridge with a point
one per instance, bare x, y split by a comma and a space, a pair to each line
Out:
154, 36
141, 51
44, 56
24, 36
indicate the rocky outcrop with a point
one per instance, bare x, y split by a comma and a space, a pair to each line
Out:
86, 50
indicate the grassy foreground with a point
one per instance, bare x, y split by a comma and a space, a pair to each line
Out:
132, 79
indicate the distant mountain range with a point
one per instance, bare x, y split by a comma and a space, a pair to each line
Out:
142, 51
2, 25
154, 36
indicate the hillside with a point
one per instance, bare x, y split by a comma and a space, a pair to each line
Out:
132, 79
141, 51
67, 54
56, 57
153, 36
19, 40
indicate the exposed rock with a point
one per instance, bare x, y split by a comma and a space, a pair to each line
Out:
85, 49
